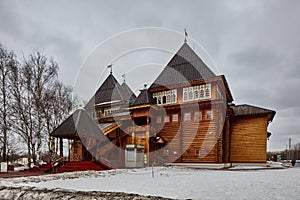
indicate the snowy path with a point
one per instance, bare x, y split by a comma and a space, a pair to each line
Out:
186, 183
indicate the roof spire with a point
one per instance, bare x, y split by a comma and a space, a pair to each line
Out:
110, 66
185, 35
145, 86
124, 76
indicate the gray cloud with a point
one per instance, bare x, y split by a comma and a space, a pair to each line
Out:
254, 43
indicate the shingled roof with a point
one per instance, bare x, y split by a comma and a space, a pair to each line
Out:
78, 124
144, 98
185, 66
129, 92
110, 90
240, 110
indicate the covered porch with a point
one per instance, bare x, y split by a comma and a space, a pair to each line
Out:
84, 136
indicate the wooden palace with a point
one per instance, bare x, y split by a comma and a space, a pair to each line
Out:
186, 115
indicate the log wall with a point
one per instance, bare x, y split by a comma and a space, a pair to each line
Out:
248, 139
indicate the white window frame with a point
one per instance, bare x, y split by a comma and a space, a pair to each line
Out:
169, 97
174, 93
167, 119
209, 113
187, 117
196, 89
208, 88
202, 90
200, 116
175, 118
185, 94
191, 94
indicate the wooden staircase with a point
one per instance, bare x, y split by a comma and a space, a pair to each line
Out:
69, 167
41, 168
79, 166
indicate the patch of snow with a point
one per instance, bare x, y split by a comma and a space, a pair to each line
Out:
174, 182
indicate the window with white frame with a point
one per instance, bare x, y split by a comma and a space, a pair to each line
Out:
165, 97
167, 119
109, 110
209, 114
197, 92
169, 97
187, 117
197, 116
207, 91
185, 94
175, 118
159, 101
191, 94
201, 92
174, 96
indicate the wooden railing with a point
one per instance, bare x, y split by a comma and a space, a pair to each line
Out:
56, 163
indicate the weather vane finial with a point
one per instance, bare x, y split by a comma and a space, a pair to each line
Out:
110, 66
185, 35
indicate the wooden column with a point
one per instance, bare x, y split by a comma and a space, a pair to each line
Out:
61, 147
147, 142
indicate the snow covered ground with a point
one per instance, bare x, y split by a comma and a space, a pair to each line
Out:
177, 183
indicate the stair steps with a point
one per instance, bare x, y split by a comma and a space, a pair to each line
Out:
79, 166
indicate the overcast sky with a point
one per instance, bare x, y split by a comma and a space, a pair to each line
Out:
255, 44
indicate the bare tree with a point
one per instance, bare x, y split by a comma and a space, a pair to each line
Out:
7, 61
58, 104
39, 73
296, 151
33, 102
22, 111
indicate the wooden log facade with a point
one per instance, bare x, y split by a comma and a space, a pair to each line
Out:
185, 116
